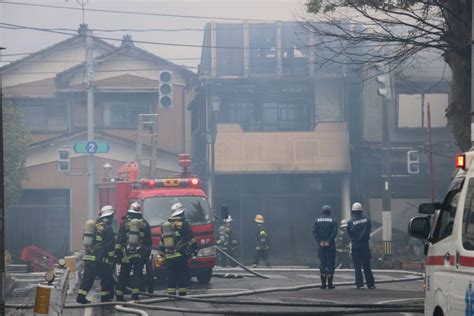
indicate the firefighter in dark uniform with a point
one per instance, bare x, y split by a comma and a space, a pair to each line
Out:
262, 247
132, 251
358, 229
99, 256
324, 232
182, 247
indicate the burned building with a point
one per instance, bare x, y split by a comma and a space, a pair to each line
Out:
270, 133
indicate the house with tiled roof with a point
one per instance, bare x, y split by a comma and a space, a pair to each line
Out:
49, 86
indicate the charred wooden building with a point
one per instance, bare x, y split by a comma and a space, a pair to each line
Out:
270, 133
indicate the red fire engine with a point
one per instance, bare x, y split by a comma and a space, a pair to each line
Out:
156, 197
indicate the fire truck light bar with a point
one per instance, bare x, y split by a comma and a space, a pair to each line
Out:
172, 182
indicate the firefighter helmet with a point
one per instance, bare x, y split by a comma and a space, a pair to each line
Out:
106, 210
135, 208
177, 211
259, 219
228, 219
343, 223
357, 207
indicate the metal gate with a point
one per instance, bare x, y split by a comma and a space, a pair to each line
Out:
41, 218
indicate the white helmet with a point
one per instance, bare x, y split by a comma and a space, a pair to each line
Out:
177, 211
357, 207
343, 223
135, 208
228, 219
106, 210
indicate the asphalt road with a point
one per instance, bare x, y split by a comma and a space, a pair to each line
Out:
405, 293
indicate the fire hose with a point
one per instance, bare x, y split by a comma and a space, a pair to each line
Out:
240, 264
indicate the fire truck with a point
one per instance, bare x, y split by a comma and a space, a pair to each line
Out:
156, 197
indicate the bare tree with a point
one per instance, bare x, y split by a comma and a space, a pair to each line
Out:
360, 32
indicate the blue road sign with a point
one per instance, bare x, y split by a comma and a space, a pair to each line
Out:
92, 147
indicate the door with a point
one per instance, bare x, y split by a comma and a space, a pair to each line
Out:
40, 218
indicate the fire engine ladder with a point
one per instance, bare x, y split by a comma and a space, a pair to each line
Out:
147, 133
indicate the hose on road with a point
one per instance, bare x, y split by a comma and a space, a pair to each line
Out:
135, 311
368, 308
240, 264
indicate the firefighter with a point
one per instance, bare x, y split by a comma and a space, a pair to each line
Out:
343, 247
358, 229
132, 251
325, 232
225, 241
262, 247
177, 245
99, 241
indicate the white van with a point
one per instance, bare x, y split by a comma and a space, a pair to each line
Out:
448, 229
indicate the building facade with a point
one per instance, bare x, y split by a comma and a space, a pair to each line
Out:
270, 134
49, 87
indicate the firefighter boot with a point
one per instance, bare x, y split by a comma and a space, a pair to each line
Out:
330, 285
323, 281
81, 299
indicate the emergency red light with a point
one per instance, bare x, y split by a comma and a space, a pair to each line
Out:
194, 181
184, 160
461, 161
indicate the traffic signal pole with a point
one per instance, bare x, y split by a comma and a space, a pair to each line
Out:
90, 125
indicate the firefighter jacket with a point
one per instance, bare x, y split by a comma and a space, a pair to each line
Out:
342, 240
184, 242
325, 231
143, 250
263, 240
358, 229
102, 249
225, 240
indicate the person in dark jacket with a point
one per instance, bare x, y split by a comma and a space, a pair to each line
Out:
324, 232
99, 258
132, 251
358, 229
177, 253
262, 247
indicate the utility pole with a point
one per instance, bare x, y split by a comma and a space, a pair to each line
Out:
2, 213
385, 93
90, 124
472, 76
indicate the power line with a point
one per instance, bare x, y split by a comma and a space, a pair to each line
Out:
8, 25
138, 13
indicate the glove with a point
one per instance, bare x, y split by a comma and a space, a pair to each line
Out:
118, 256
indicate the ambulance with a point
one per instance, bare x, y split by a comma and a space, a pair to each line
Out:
448, 231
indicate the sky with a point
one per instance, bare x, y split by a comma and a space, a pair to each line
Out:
25, 41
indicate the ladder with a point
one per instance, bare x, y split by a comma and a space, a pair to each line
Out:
147, 132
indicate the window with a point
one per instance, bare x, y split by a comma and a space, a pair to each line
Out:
45, 117
413, 110
445, 216
468, 218
119, 114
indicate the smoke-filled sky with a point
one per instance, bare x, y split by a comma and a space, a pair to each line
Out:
67, 21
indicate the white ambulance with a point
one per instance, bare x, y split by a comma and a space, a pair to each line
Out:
448, 229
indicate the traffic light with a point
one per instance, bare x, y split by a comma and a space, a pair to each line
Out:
384, 81
166, 89
63, 161
413, 162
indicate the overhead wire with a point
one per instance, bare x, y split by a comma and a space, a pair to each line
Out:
139, 13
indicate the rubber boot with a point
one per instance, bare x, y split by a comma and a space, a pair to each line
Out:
323, 282
119, 298
81, 299
330, 285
